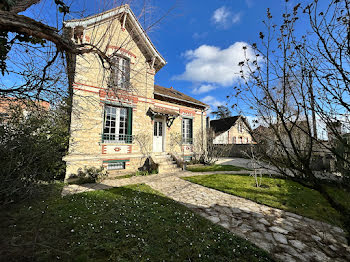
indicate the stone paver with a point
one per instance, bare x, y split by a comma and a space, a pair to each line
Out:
287, 236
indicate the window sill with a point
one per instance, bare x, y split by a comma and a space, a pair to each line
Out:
116, 142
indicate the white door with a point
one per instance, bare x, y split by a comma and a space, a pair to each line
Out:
158, 134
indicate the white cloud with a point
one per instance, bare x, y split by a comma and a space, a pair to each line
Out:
224, 18
212, 65
212, 101
203, 89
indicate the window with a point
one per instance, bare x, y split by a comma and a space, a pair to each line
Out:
240, 127
116, 166
187, 131
187, 158
120, 75
117, 124
158, 128
234, 140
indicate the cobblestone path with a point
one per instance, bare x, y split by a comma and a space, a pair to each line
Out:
287, 236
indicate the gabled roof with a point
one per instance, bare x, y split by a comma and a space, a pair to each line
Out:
90, 20
176, 95
223, 124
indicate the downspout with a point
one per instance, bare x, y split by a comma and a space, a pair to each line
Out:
202, 131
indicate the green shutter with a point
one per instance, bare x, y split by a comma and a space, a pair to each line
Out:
130, 124
191, 131
116, 161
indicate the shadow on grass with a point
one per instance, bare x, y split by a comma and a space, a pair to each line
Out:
132, 223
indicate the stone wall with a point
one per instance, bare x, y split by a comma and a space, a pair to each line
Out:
237, 150
234, 135
91, 94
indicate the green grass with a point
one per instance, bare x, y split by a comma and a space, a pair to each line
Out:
203, 168
132, 223
279, 193
124, 176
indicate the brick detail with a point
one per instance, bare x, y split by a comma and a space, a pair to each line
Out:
120, 96
104, 149
187, 112
122, 50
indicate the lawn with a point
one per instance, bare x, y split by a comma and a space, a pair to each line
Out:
203, 168
132, 223
279, 193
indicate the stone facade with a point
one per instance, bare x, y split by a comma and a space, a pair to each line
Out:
92, 93
238, 133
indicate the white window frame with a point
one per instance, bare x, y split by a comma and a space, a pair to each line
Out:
115, 124
187, 131
116, 166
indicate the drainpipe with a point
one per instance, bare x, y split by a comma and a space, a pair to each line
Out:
202, 131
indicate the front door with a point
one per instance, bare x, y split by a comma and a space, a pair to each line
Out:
158, 135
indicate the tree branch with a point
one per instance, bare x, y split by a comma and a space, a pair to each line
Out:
22, 5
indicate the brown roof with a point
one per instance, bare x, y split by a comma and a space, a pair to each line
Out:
164, 111
176, 95
7, 102
223, 124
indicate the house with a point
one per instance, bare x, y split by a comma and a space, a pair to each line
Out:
119, 116
27, 106
231, 130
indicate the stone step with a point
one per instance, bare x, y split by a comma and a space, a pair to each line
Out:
168, 169
164, 161
162, 157
164, 165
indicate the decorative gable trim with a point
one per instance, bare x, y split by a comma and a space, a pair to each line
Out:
124, 9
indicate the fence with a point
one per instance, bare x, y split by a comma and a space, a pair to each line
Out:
237, 150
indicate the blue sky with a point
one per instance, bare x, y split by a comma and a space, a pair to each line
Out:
195, 32
200, 40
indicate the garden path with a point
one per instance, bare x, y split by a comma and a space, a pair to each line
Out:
287, 236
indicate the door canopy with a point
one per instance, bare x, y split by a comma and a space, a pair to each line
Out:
169, 114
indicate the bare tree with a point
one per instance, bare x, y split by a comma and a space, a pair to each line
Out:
38, 55
208, 152
298, 82
222, 112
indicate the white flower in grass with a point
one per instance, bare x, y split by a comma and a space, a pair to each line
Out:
72, 231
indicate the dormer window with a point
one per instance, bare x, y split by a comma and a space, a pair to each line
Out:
120, 75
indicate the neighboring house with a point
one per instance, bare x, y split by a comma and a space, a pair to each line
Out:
121, 117
231, 130
27, 106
